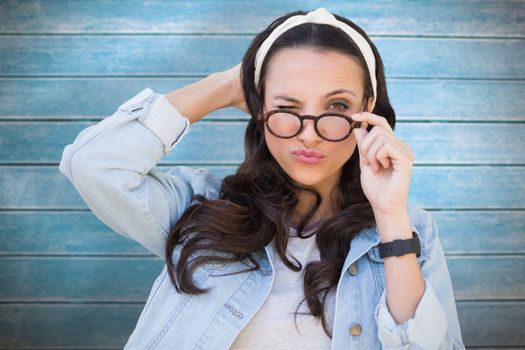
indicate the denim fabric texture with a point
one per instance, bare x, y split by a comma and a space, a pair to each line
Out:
111, 166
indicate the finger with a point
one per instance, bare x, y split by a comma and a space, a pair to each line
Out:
362, 161
360, 134
394, 153
372, 136
368, 118
405, 147
372, 155
383, 154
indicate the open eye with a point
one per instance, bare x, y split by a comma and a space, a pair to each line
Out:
340, 105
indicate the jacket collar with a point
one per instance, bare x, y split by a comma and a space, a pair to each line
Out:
361, 244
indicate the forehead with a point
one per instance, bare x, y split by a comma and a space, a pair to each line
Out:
311, 71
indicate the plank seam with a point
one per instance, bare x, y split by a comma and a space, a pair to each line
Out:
173, 76
240, 34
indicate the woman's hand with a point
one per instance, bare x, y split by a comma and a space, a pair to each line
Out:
386, 165
234, 76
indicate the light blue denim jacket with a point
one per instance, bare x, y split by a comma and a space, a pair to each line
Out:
111, 166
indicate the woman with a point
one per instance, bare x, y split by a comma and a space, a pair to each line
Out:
295, 250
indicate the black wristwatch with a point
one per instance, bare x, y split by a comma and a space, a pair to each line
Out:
400, 247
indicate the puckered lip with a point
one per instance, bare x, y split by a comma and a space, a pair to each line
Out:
307, 153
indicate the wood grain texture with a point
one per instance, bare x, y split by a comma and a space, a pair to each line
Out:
415, 99
67, 326
223, 142
455, 76
481, 231
61, 233
472, 18
129, 279
80, 279
74, 233
436, 187
487, 277
485, 323
110, 55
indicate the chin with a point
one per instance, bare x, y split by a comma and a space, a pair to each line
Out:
306, 179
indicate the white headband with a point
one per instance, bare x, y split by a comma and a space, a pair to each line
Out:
320, 16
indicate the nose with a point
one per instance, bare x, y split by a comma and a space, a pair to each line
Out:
308, 134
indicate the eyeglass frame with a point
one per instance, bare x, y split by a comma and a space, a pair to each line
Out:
353, 124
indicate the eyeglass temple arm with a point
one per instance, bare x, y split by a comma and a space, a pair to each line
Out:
359, 124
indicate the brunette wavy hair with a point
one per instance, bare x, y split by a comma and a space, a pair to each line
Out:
255, 204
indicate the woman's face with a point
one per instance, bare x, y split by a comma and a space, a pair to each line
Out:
303, 79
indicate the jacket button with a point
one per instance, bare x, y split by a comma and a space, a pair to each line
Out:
355, 329
353, 269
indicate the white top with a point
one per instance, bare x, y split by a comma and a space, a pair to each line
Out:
273, 325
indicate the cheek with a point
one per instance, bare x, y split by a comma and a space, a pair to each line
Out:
275, 145
346, 149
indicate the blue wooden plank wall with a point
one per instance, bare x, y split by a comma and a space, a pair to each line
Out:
456, 74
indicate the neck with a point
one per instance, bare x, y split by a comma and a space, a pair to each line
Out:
326, 210
328, 189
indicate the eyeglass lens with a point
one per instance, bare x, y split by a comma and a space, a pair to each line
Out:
330, 127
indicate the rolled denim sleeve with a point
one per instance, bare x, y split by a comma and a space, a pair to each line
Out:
413, 333
165, 121
111, 165
435, 324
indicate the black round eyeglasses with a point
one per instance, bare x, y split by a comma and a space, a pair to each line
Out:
331, 126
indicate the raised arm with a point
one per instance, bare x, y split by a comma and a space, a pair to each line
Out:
111, 163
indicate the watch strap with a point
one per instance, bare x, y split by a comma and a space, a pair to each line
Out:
401, 247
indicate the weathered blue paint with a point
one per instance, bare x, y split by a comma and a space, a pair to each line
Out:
413, 99
456, 77
222, 142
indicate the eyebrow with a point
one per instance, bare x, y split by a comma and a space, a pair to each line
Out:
335, 92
